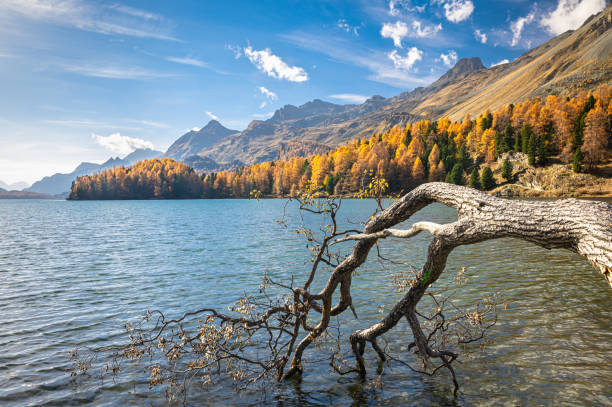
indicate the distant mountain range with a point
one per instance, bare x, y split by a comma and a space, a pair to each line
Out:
16, 186
573, 61
59, 184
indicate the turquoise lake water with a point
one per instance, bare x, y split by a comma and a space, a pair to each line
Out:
72, 273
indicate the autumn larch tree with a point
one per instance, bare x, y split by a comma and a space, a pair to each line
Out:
595, 137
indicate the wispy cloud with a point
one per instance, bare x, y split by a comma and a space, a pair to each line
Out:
114, 72
271, 96
458, 10
135, 12
236, 50
121, 145
349, 97
570, 14
517, 27
267, 93
122, 20
188, 61
150, 123
422, 30
212, 116
343, 25
91, 124
377, 62
397, 7
274, 66
94, 124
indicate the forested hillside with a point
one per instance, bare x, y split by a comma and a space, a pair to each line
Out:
555, 128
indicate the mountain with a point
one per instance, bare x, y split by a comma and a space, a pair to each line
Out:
58, 184
573, 61
16, 186
192, 142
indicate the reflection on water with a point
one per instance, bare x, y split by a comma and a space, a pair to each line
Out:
72, 273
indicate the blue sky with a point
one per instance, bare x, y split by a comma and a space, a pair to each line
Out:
85, 80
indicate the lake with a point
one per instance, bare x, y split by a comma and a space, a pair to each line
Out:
72, 274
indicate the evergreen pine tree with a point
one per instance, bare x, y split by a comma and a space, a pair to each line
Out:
474, 179
486, 179
532, 148
456, 175
499, 148
525, 133
517, 143
542, 151
464, 158
507, 170
576, 160
508, 139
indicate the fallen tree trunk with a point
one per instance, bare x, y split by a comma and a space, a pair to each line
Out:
584, 227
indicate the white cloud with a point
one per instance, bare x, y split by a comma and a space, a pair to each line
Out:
480, 36
349, 97
570, 14
267, 93
408, 61
517, 27
88, 17
188, 61
396, 31
274, 66
212, 116
122, 145
193, 129
503, 61
458, 10
425, 31
449, 58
